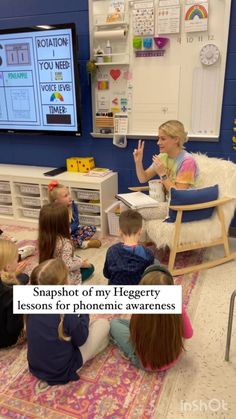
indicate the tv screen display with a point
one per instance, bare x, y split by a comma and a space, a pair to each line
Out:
39, 82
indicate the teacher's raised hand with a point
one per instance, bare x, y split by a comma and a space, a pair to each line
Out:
138, 152
142, 174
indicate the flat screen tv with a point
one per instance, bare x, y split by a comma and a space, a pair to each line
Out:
39, 80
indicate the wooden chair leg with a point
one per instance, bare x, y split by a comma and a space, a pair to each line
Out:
174, 248
230, 323
223, 230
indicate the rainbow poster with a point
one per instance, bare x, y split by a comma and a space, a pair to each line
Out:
56, 97
196, 17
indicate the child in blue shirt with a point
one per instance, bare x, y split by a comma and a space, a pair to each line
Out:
60, 344
126, 261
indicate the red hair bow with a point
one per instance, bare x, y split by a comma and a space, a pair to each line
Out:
52, 185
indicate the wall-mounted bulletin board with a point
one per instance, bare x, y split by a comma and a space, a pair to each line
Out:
157, 60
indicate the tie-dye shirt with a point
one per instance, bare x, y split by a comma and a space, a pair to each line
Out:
181, 169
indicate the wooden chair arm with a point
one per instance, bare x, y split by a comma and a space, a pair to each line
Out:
203, 205
138, 188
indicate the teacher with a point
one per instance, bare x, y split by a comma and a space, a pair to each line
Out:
174, 165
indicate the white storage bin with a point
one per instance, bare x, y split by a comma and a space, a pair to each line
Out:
113, 218
45, 192
29, 189
89, 220
87, 194
30, 213
88, 208
5, 187
6, 210
5, 199
31, 202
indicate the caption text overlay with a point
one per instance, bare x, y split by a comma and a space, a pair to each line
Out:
94, 299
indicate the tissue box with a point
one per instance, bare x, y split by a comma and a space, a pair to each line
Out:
85, 164
72, 164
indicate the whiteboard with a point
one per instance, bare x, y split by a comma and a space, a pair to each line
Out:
173, 84
152, 101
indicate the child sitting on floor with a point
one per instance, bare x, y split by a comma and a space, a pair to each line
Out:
23, 251
11, 325
60, 344
81, 235
125, 262
153, 342
54, 242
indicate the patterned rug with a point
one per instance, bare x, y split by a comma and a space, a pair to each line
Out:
109, 386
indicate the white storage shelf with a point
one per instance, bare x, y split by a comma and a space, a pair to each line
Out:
5, 187
30, 201
85, 219
86, 195
23, 191
88, 208
30, 213
28, 189
5, 199
8, 211
107, 24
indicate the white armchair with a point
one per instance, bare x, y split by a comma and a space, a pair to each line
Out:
180, 237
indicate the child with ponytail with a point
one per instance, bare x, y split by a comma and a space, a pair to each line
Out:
60, 344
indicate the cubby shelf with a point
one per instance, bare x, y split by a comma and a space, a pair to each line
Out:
111, 25
112, 63
23, 190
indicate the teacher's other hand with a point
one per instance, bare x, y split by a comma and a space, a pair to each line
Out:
158, 165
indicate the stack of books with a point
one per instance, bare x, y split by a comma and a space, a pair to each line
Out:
99, 171
137, 200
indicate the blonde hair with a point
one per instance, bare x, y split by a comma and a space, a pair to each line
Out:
52, 272
174, 128
8, 255
53, 191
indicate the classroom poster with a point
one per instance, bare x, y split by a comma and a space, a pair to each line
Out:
143, 18
196, 17
168, 18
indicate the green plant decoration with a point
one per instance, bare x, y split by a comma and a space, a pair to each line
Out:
91, 67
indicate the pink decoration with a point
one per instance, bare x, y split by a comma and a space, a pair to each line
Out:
160, 41
127, 75
115, 74
115, 101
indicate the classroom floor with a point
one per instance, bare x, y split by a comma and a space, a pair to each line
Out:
202, 384
202, 379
